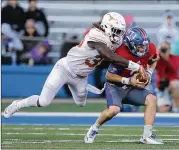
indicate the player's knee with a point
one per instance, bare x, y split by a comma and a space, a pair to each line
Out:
81, 95
80, 100
34, 97
114, 110
43, 102
151, 100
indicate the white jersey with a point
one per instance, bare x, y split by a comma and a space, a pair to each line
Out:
82, 59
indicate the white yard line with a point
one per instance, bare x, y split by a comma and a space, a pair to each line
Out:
41, 141
11, 133
83, 129
115, 135
82, 134
76, 141
95, 114
126, 141
171, 139
122, 141
11, 139
62, 100
13, 128
61, 129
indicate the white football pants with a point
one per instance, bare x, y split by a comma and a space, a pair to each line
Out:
57, 78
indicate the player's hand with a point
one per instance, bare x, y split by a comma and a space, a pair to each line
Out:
148, 79
153, 59
142, 72
135, 82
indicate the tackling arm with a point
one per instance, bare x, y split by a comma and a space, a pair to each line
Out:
105, 52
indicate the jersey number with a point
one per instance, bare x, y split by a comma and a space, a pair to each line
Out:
94, 62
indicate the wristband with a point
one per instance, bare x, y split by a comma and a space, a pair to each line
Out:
125, 81
133, 66
150, 71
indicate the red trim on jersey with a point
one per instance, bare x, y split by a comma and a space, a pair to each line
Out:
110, 94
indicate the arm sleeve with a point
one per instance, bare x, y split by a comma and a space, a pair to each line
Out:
153, 48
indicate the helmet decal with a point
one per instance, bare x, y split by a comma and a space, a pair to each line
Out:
132, 35
114, 27
112, 18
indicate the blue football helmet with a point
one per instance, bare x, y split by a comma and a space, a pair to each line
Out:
137, 41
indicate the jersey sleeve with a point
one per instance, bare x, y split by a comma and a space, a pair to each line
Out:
114, 69
153, 49
97, 36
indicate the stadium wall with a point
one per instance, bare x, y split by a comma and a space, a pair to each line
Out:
23, 81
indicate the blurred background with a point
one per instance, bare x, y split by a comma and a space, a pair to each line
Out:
35, 34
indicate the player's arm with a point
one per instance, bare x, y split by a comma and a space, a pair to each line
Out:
152, 63
106, 53
151, 68
149, 71
127, 81
113, 76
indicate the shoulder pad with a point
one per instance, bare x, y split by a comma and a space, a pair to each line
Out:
97, 36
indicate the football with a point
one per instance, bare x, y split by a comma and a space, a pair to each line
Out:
139, 77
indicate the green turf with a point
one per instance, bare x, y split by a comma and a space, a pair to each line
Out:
71, 137
66, 107
63, 107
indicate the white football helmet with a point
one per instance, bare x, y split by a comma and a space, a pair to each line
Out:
114, 26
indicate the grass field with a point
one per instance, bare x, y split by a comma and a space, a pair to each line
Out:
65, 107
71, 137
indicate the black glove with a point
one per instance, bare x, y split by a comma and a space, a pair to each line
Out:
152, 59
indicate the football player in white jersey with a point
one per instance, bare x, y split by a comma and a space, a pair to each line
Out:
100, 43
